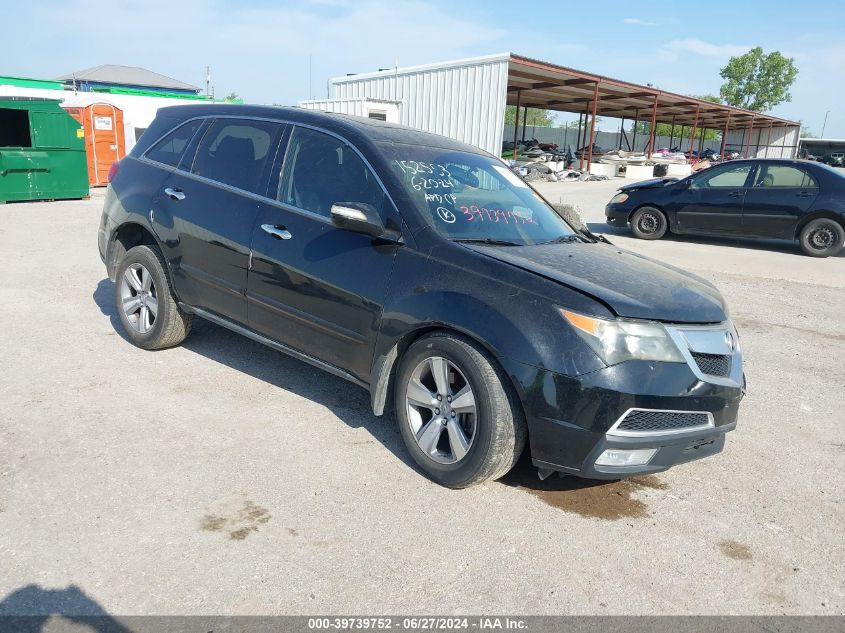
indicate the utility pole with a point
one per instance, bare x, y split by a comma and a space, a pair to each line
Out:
825, 122
208, 81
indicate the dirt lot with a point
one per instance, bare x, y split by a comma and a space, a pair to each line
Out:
221, 477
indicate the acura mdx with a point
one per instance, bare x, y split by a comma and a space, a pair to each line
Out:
427, 272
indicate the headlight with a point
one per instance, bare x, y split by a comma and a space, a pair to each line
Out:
618, 340
619, 198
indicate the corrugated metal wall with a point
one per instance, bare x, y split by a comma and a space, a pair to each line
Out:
355, 107
465, 102
782, 144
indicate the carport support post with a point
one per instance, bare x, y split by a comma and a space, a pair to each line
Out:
769, 138
524, 121
694, 126
621, 130
725, 135
593, 125
652, 127
672, 133
750, 132
516, 122
636, 119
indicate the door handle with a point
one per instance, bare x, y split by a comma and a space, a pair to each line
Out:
175, 194
735, 194
804, 194
278, 232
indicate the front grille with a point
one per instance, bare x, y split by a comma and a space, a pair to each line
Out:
713, 364
639, 421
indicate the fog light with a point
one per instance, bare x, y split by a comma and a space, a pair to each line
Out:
621, 457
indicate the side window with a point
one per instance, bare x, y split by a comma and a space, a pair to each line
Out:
731, 177
783, 176
321, 170
237, 152
169, 149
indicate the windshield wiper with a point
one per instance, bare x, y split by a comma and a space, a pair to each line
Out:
485, 240
568, 238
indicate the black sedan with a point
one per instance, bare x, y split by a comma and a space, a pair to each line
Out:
769, 198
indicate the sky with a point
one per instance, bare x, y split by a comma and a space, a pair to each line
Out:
282, 52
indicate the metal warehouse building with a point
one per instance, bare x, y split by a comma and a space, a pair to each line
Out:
465, 99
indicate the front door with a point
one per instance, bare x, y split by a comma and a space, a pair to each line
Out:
312, 286
713, 201
780, 196
207, 209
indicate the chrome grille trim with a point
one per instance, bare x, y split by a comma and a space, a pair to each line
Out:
620, 432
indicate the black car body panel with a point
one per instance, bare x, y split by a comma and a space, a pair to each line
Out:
749, 208
352, 303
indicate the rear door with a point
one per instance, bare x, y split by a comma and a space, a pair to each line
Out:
207, 209
321, 290
781, 194
713, 201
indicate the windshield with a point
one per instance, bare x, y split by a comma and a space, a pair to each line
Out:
468, 196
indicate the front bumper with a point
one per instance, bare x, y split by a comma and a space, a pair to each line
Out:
569, 417
617, 215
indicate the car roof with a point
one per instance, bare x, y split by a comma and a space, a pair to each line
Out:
353, 128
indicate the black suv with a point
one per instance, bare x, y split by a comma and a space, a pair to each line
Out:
427, 272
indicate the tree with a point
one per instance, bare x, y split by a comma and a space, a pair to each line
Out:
535, 116
232, 97
756, 81
806, 133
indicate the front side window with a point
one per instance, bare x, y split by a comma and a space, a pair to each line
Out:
467, 196
729, 176
783, 176
169, 149
321, 170
237, 152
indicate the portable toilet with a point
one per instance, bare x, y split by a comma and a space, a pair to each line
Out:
42, 151
105, 141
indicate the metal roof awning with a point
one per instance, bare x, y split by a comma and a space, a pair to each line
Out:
539, 84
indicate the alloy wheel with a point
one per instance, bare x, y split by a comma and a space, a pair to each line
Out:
441, 410
139, 298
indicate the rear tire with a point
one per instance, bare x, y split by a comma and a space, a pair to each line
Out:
822, 237
145, 302
649, 223
468, 445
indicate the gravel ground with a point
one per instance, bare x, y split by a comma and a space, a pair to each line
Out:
221, 477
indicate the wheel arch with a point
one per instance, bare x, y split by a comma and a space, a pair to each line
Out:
126, 236
385, 367
816, 215
648, 204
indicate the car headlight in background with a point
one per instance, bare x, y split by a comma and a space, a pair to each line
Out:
618, 340
619, 198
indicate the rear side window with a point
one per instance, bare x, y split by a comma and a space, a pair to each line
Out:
237, 152
169, 149
321, 170
783, 176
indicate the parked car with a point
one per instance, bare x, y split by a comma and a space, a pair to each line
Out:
835, 159
427, 272
769, 198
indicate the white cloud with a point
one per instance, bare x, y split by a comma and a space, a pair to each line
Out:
639, 22
672, 51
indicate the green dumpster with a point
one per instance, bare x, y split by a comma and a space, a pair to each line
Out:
42, 151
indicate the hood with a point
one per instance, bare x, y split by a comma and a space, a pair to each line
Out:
629, 284
653, 183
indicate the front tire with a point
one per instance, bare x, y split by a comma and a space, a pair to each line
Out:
822, 237
145, 302
649, 223
457, 414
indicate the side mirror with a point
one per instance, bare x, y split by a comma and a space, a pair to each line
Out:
358, 217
